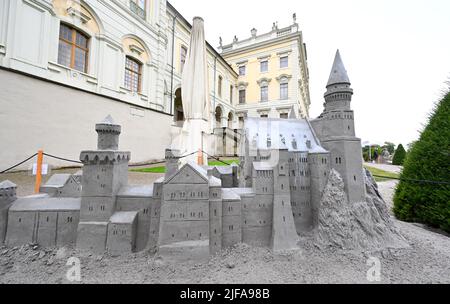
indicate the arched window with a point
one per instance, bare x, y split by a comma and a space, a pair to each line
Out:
73, 48
133, 74
230, 120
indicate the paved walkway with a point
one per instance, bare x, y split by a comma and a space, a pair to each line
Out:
385, 167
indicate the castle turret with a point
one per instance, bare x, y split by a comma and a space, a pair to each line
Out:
172, 162
339, 93
336, 131
108, 134
105, 171
284, 233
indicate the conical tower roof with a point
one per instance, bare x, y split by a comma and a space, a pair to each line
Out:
338, 72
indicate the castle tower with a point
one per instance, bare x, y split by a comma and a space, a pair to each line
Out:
336, 130
108, 134
105, 171
172, 162
7, 197
284, 232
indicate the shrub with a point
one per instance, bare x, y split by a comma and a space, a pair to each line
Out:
399, 156
428, 159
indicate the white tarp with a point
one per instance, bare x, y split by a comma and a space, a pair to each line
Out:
194, 88
195, 78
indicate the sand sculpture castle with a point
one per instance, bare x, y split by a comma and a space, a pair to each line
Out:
269, 200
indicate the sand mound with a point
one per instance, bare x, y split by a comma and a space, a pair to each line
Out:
356, 226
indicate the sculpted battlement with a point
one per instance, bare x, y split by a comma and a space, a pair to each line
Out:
92, 157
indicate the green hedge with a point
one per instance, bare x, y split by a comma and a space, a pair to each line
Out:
428, 159
399, 156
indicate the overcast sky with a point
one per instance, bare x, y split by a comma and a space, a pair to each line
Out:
396, 52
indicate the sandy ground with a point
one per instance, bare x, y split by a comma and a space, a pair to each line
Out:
427, 260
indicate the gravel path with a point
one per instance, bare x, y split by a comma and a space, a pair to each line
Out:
427, 260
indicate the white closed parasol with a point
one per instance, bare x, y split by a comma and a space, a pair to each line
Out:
194, 88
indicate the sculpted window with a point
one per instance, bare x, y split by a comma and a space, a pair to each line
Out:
73, 48
133, 75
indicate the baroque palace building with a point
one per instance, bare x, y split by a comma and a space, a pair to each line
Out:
65, 64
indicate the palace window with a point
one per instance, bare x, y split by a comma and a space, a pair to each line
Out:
284, 88
265, 116
183, 57
242, 70
284, 62
231, 94
242, 95
264, 66
133, 75
220, 86
264, 93
241, 122
285, 116
138, 7
73, 48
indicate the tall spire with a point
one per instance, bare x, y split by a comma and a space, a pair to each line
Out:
338, 72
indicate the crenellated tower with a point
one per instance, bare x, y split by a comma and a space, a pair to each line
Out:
336, 131
105, 171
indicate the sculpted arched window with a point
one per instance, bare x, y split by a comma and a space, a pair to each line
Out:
73, 48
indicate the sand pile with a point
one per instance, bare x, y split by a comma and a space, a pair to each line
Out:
355, 226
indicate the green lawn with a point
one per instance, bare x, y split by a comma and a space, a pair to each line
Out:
163, 168
150, 170
374, 171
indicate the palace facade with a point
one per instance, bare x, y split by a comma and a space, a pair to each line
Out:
65, 64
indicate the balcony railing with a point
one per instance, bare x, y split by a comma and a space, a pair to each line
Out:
137, 9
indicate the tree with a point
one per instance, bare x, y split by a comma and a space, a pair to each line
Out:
374, 151
428, 160
390, 147
399, 156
